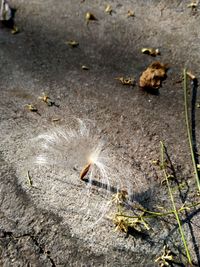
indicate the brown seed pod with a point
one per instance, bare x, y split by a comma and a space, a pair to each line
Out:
85, 170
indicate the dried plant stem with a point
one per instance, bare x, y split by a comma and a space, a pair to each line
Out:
158, 214
174, 206
170, 211
189, 129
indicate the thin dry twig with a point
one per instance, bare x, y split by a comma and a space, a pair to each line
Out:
163, 150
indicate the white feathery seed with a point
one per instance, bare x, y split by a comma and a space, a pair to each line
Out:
59, 156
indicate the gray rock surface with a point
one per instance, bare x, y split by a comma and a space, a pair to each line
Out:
60, 220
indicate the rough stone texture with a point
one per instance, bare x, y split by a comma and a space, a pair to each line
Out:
56, 223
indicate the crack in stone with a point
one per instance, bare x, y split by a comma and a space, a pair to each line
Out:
5, 234
42, 251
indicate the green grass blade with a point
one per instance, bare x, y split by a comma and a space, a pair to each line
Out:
189, 128
174, 206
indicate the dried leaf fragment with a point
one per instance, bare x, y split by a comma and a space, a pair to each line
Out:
166, 258
193, 5
126, 81
55, 119
153, 76
7, 16
89, 16
85, 170
108, 9
31, 107
125, 223
72, 43
151, 51
15, 30
130, 13
5, 11
191, 76
121, 224
156, 162
30, 181
84, 67
169, 177
120, 197
45, 98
